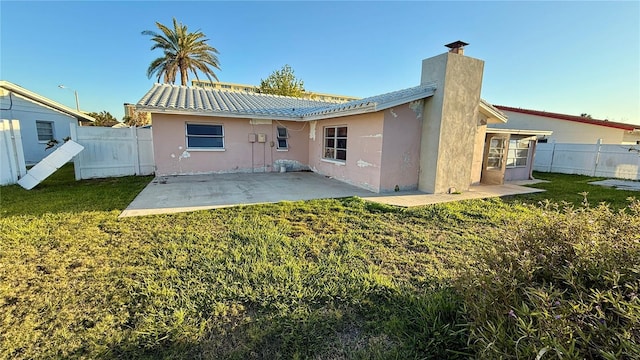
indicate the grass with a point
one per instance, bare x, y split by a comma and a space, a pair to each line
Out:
323, 279
570, 188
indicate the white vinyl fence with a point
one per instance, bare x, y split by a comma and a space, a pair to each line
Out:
112, 152
12, 165
615, 161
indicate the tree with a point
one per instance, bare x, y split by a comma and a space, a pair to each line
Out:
585, 115
184, 52
282, 82
139, 118
103, 118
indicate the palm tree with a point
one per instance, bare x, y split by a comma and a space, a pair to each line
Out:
184, 51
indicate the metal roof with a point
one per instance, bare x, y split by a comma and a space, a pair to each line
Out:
213, 102
43, 100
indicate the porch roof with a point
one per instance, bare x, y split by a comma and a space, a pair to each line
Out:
527, 133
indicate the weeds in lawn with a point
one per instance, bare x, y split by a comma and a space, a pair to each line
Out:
564, 284
323, 279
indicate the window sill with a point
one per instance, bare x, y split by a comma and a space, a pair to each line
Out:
205, 149
282, 149
335, 162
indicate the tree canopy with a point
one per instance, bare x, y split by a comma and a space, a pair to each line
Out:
183, 52
282, 82
103, 118
139, 118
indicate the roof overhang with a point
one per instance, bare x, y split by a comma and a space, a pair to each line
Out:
224, 114
339, 110
493, 115
579, 119
526, 133
372, 106
29, 95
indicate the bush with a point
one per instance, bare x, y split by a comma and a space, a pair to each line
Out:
564, 285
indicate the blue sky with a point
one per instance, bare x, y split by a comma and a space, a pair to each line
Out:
567, 57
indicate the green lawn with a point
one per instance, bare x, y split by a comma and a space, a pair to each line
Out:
324, 279
569, 188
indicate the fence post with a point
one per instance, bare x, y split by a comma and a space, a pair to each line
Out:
77, 161
597, 157
136, 150
12, 141
16, 135
553, 154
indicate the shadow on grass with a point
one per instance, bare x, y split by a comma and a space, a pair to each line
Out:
61, 193
387, 324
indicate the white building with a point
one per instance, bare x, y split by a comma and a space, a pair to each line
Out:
41, 120
570, 129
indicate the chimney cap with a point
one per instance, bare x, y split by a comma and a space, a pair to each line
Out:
456, 44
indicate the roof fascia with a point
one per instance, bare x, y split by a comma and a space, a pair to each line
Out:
372, 107
44, 101
408, 99
565, 117
492, 113
154, 110
519, 132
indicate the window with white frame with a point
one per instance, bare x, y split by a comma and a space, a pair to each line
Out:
335, 143
496, 152
518, 153
205, 136
283, 138
45, 131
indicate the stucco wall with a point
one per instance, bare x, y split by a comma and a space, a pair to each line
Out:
364, 148
450, 122
630, 138
478, 154
564, 131
401, 147
239, 155
28, 112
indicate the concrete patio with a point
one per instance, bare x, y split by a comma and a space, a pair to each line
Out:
172, 194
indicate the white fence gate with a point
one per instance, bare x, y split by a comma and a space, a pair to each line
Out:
12, 165
617, 161
111, 152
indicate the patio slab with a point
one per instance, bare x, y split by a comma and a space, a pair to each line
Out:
474, 192
619, 184
172, 194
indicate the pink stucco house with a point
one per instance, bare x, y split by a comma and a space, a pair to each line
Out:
432, 137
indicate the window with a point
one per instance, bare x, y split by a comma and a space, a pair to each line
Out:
45, 131
496, 151
335, 143
518, 153
283, 138
205, 136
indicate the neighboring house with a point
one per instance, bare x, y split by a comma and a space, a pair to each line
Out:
432, 137
571, 129
253, 88
41, 120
